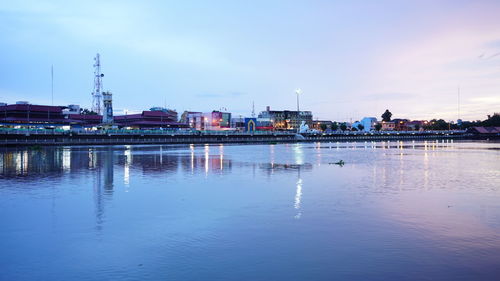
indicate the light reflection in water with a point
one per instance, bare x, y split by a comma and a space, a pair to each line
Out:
221, 155
207, 154
271, 156
126, 166
299, 154
92, 159
426, 169
298, 197
66, 159
319, 150
191, 150
161, 155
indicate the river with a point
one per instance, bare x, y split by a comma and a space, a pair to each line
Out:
392, 211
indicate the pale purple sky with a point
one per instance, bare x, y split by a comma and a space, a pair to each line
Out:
351, 58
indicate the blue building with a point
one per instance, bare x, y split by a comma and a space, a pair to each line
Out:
250, 124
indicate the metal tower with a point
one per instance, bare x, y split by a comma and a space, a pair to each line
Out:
97, 93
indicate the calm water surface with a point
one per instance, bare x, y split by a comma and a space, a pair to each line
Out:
394, 211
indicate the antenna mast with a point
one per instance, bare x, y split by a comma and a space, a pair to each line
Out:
458, 102
253, 109
52, 83
97, 94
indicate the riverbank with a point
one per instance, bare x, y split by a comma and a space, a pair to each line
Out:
58, 139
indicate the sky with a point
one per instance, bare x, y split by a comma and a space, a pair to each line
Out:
350, 58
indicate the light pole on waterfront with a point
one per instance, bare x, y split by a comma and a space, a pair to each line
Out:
298, 92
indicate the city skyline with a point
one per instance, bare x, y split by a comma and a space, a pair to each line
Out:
351, 59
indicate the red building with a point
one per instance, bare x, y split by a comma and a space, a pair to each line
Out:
23, 113
149, 119
86, 120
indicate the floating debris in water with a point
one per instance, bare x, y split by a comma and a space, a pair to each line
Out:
340, 163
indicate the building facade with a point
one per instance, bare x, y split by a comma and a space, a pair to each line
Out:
388, 126
322, 125
287, 119
152, 119
211, 121
26, 114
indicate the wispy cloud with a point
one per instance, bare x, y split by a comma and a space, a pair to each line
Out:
494, 55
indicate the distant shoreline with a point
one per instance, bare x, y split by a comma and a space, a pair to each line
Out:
123, 139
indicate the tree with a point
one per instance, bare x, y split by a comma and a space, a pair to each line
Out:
386, 117
417, 127
361, 127
87, 112
492, 121
437, 125
323, 127
378, 126
343, 126
335, 126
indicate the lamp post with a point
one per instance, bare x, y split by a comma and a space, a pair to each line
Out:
298, 92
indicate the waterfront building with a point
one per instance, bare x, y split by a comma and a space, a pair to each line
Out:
287, 119
217, 120
322, 125
193, 120
388, 126
484, 131
238, 123
264, 124
246, 124
211, 121
172, 113
26, 114
152, 119
85, 120
400, 124
250, 124
416, 125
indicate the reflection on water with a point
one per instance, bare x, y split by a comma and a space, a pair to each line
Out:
393, 208
101, 163
27, 163
30, 165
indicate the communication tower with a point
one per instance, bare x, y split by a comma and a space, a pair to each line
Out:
97, 93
